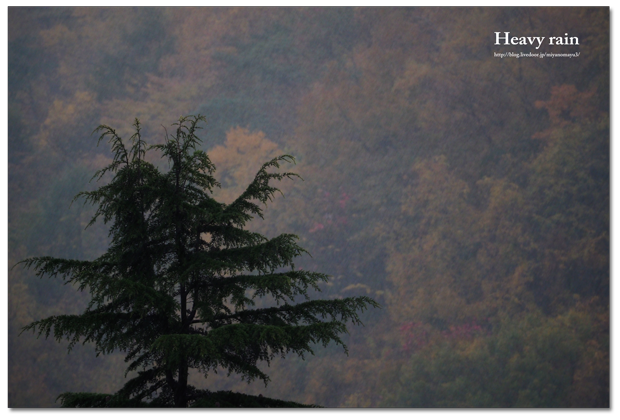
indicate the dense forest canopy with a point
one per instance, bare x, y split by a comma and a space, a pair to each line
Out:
467, 194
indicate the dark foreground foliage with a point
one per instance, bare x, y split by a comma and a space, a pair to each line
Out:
204, 399
182, 284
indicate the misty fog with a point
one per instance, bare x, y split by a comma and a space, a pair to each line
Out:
468, 194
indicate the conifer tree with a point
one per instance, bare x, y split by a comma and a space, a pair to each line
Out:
179, 285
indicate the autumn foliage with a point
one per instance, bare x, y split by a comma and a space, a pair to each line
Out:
467, 194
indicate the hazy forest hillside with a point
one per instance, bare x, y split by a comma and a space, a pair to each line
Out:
467, 194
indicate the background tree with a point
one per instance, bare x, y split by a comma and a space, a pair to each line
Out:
183, 284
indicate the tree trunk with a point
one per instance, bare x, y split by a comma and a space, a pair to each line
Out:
180, 393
